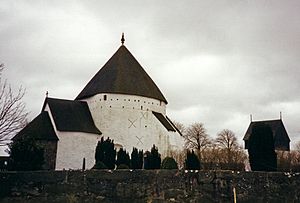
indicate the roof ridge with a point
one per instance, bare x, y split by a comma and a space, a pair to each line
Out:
69, 100
266, 120
58, 99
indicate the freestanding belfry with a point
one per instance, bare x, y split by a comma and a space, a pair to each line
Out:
121, 102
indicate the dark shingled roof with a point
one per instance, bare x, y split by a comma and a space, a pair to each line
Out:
164, 121
122, 74
39, 128
281, 138
72, 116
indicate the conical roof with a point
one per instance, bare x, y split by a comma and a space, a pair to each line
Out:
122, 74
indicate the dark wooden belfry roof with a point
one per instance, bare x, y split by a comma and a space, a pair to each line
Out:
124, 75
40, 128
72, 116
281, 138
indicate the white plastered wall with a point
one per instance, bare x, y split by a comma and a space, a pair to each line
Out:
128, 119
72, 147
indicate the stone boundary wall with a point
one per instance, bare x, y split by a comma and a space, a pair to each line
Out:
148, 186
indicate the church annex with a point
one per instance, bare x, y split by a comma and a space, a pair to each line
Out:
121, 102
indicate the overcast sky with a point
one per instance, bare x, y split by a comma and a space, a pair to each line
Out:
216, 63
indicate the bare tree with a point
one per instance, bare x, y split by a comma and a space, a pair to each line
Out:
12, 110
196, 138
284, 160
297, 147
295, 157
179, 126
289, 160
227, 140
211, 157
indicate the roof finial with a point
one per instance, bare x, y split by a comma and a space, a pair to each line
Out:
251, 118
122, 39
280, 115
47, 93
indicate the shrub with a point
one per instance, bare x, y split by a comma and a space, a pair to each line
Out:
122, 166
99, 165
169, 163
192, 162
26, 155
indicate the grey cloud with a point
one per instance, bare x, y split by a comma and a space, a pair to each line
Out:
216, 62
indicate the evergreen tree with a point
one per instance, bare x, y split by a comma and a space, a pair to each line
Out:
106, 153
136, 159
152, 160
147, 158
192, 161
26, 155
155, 158
99, 154
140, 159
123, 158
261, 150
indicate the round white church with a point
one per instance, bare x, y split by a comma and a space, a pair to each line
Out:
120, 102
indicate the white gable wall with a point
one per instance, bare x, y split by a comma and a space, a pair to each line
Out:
72, 147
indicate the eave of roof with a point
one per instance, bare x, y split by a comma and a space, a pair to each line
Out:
122, 74
163, 120
40, 128
71, 116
